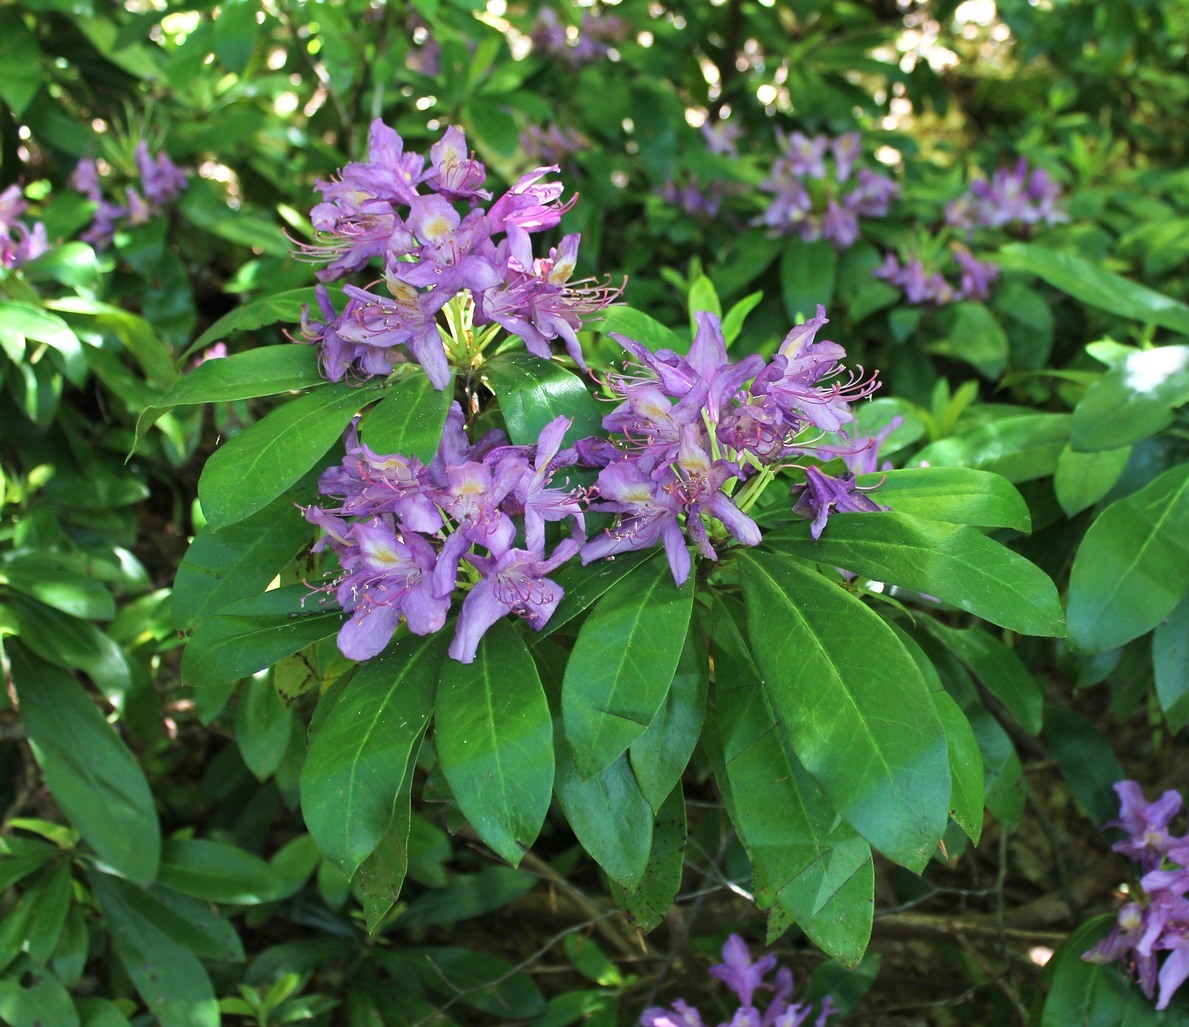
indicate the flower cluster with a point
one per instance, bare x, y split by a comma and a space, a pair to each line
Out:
1158, 920
405, 532
395, 208
819, 193
161, 181
1019, 196
922, 284
583, 44
745, 978
18, 242
696, 439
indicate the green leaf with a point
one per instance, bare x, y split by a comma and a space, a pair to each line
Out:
808, 276
622, 664
609, 815
382, 875
732, 324
1087, 762
643, 329
1082, 479
137, 335
22, 70
267, 371
171, 980
1134, 400
99, 1012
853, 704
359, 756
408, 420
1096, 995
89, 771
34, 922
1019, 447
647, 905
264, 726
59, 580
22, 321
956, 495
1132, 568
585, 585
248, 636
268, 310
660, 755
1004, 787
966, 766
217, 872
467, 896
532, 392
1170, 662
702, 299
976, 337
494, 738
807, 863
31, 996
1088, 282
478, 980
251, 470
953, 562
999, 668
238, 561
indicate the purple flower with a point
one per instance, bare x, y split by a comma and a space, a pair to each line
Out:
745, 978
454, 174
160, 179
823, 495
514, 582
1018, 196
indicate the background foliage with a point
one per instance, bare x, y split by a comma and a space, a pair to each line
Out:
174, 845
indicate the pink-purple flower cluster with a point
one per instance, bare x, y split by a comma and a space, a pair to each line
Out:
1157, 920
922, 284
745, 978
1018, 196
405, 533
161, 181
590, 41
19, 242
695, 439
691, 445
819, 193
437, 240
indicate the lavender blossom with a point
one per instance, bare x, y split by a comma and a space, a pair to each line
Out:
1158, 920
19, 242
924, 284
817, 192
1016, 197
745, 978
160, 179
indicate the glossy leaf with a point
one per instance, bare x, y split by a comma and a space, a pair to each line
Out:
966, 767
1082, 479
999, 668
171, 980
1170, 661
647, 904
956, 495
1004, 787
1094, 995
1134, 400
585, 585
955, 563
857, 712
264, 726
806, 861
976, 337
660, 755
637, 325
475, 979
408, 419
1132, 568
1090, 283
248, 472
494, 738
89, 771
218, 872
285, 307
382, 875
246, 637
31, 996
609, 815
532, 392
1087, 762
1020, 447
808, 276
237, 562
622, 664
265, 371
359, 756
